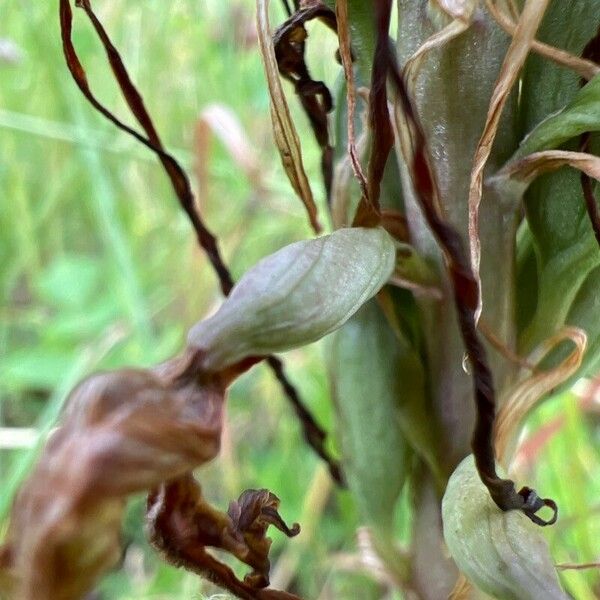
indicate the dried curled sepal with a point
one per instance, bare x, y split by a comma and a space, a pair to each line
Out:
533, 504
296, 296
255, 510
251, 515
500, 552
182, 525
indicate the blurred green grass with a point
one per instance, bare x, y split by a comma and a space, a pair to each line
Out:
99, 269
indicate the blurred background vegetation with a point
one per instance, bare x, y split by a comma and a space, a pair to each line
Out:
99, 269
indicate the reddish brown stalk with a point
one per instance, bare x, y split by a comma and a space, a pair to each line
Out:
286, 7
588, 193
465, 290
382, 136
179, 179
313, 434
181, 185
382, 139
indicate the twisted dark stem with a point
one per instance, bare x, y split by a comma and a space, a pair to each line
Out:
465, 290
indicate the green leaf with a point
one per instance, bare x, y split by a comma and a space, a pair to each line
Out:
584, 312
371, 374
553, 110
548, 87
580, 115
550, 97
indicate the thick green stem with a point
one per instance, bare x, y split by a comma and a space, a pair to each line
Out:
452, 95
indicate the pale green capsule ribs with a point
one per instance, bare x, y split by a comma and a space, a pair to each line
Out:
502, 553
296, 296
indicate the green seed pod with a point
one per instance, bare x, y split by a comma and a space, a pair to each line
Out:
375, 376
363, 374
502, 553
296, 296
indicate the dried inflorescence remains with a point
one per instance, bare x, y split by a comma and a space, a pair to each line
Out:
181, 525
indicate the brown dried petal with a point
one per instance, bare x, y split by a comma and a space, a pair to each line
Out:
255, 510
123, 432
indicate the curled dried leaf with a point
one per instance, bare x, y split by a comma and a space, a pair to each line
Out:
284, 131
500, 552
289, 42
523, 171
530, 19
526, 393
584, 68
296, 296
